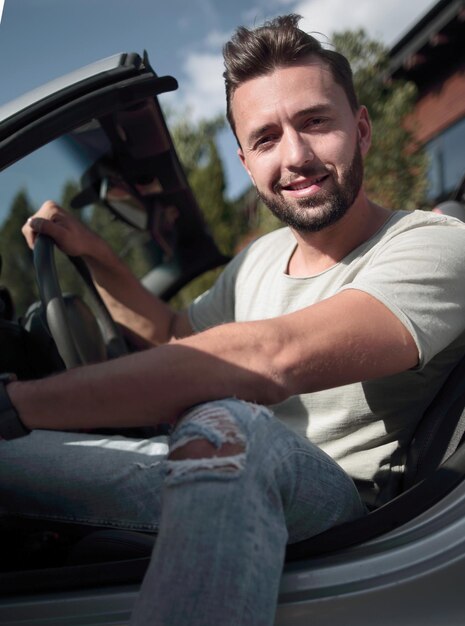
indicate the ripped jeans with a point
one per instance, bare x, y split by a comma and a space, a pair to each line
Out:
223, 512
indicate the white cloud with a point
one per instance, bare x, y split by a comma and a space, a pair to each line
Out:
203, 85
204, 88
216, 39
386, 20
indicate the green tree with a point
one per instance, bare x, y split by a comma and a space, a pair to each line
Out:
208, 184
197, 150
127, 242
395, 169
17, 272
196, 146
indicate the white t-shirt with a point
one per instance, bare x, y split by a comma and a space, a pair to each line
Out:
415, 265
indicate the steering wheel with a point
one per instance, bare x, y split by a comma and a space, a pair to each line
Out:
70, 320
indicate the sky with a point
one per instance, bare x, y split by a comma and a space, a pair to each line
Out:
43, 39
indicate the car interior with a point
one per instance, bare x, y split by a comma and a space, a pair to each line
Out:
119, 170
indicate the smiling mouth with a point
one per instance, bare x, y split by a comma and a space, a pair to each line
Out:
304, 184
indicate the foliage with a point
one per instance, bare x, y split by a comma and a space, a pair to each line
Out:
197, 150
129, 243
192, 140
395, 169
196, 147
17, 273
17, 260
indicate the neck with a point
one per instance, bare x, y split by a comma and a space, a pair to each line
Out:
317, 252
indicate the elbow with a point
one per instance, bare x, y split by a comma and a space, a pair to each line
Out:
278, 379
290, 370
271, 391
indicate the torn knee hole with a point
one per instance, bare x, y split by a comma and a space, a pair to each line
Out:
200, 458
201, 449
209, 439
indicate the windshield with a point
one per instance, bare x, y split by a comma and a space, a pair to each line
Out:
60, 171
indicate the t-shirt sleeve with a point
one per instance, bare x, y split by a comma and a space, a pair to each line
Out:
419, 275
216, 305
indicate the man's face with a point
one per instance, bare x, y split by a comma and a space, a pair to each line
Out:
301, 144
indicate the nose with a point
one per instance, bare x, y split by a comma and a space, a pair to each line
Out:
295, 150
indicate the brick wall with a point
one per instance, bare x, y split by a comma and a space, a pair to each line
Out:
440, 107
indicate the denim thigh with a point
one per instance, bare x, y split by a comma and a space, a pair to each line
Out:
298, 479
90, 479
116, 481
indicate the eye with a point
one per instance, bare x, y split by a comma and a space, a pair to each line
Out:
315, 122
265, 142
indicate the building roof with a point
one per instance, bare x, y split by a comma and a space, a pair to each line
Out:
433, 47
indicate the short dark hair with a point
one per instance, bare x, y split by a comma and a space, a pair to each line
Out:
278, 43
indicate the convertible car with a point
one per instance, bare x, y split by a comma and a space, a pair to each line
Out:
96, 140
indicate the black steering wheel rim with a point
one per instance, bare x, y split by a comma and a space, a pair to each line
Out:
55, 311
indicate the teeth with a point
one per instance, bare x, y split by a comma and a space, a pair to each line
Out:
304, 185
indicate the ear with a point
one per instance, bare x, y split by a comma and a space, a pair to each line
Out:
244, 163
364, 130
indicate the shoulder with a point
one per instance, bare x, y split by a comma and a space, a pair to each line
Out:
422, 228
406, 221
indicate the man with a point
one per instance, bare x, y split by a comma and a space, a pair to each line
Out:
347, 322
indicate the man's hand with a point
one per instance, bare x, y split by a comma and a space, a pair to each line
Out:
71, 236
148, 320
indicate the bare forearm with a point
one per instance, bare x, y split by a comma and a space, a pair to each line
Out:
146, 388
131, 305
264, 361
151, 321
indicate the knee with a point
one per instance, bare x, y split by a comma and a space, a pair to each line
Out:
207, 431
211, 438
202, 448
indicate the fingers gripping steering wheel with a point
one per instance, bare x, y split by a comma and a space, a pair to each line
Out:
68, 339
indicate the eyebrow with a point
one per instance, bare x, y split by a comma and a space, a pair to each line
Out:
317, 109
257, 133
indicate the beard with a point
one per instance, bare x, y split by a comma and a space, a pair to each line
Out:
310, 215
